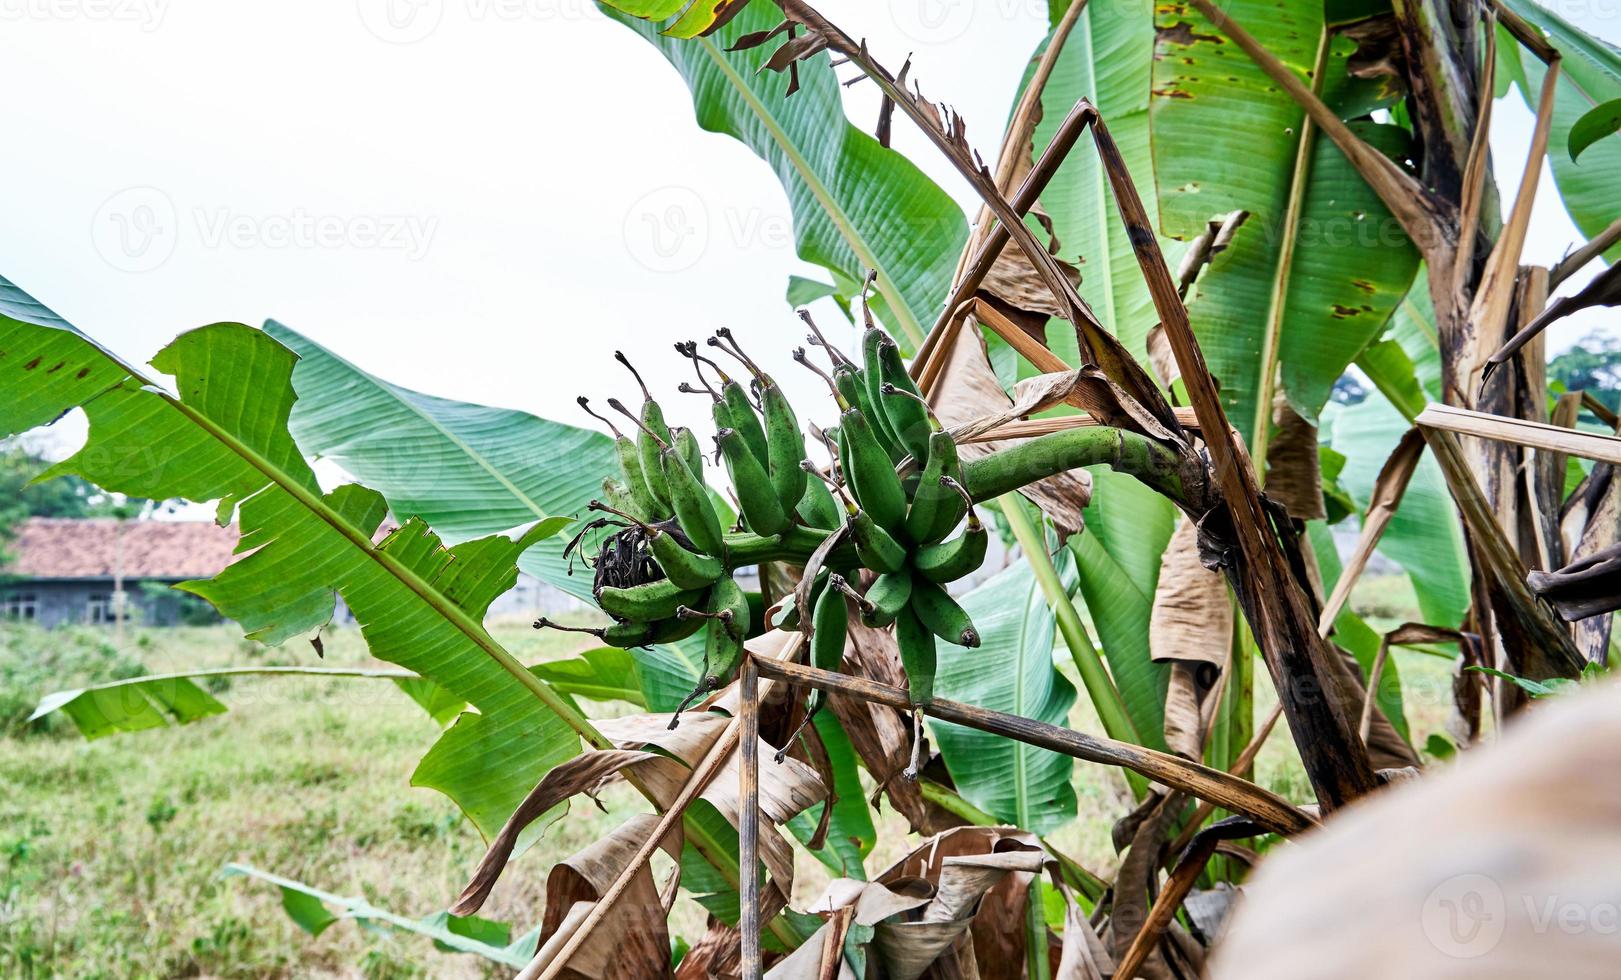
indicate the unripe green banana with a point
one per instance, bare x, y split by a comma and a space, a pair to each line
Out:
936, 509
872, 378
941, 614
693, 509
817, 508
755, 495
916, 646
903, 407
634, 634
889, 593
647, 602
687, 445
876, 547
654, 436
877, 489
740, 415
785, 445
830, 621
950, 560
686, 569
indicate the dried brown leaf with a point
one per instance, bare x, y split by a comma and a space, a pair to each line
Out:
632, 940
581, 774
1293, 476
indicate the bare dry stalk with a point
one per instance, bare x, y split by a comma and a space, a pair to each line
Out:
1238, 795
1522, 432
1388, 489
1599, 244
1030, 428
1310, 689
748, 823
704, 773
1494, 296
1372, 699
936, 348
1478, 168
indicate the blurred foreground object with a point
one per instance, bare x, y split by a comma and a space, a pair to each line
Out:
1507, 865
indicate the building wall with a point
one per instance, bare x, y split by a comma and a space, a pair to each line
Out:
64, 602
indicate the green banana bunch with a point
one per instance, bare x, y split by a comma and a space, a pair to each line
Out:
894, 497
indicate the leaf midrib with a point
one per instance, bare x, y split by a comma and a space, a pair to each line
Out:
830, 207
1272, 331
457, 617
393, 394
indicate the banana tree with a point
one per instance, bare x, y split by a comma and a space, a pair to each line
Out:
1197, 219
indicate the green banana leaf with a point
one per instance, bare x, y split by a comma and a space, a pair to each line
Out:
419, 604
131, 705
1117, 559
1011, 671
1406, 363
467, 470
1590, 76
157, 701
314, 911
857, 205
1258, 309
1108, 58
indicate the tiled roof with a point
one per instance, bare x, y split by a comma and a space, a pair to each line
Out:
62, 547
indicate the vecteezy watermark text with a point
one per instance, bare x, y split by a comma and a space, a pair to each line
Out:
145, 14
1467, 915
138, 229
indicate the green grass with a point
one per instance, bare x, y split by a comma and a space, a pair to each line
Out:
110, 851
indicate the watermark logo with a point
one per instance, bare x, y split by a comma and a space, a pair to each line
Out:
932, 21
136, 229
401, 21
667, 230
1465, 916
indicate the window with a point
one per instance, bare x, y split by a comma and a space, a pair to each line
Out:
98, 608
19, 605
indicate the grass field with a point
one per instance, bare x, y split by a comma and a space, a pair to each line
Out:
112, 849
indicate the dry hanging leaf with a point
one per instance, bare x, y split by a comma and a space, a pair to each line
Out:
1293, 476
1494, 868
632, 942
1190, 627
1138, 875
582, 774
848, 902
786, 788
715, 956
982, 876
1192, 618
1084, 956
976, 392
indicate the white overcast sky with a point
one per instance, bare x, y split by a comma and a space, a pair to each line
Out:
458, 199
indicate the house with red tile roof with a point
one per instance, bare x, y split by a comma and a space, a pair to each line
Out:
72, 570
62, 571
